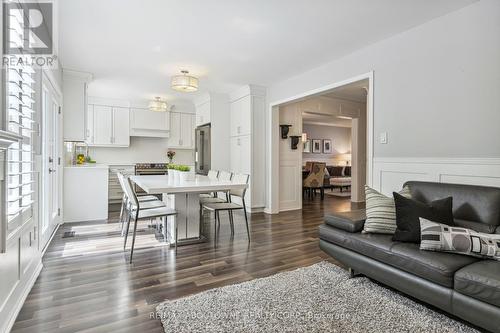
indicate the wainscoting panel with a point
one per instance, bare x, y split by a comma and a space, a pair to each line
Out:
389, 174
290, 188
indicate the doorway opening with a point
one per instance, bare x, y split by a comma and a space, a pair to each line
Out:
333, 157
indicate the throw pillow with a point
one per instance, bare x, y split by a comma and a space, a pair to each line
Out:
381, 212
441, 237
409, 211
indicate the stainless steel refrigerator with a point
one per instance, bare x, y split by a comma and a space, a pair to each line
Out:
202, 149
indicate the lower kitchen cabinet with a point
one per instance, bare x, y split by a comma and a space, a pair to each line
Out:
85, 193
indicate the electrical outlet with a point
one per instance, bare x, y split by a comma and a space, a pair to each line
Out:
383, 138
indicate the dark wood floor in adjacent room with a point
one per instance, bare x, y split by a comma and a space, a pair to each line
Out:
87, 284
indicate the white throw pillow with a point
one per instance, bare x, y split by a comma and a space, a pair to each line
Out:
441, 237
381, 211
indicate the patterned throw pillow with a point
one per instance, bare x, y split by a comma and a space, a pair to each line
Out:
441, 237
381, 211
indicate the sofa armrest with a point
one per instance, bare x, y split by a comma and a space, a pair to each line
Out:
353, 221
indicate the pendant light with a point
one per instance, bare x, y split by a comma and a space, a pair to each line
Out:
158, 105
184, 82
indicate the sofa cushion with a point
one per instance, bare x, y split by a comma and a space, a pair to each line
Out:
441, 237
479, 205
375, 246
437, 267
380, 211
409, 211
351, 221
480, 280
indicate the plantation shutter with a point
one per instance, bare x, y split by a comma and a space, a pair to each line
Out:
20, 120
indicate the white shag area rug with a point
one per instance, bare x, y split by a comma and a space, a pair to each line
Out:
318, 298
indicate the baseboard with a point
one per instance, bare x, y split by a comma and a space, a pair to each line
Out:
50, 239
22, 298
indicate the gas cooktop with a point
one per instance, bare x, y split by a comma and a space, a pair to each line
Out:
150, 166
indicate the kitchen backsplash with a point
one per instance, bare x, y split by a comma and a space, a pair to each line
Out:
141, 150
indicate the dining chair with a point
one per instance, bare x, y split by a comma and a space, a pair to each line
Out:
216, 198
137, 213
212, 175
146, 201
308, 166
315, 179
230, 206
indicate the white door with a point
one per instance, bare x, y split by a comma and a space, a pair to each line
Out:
187, 130
175, 130
103, 124
51, 161
121, 126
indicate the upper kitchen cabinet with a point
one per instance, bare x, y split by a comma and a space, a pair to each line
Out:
75, 104
181, 130
241, 116
213, 108
144, 122
108, 126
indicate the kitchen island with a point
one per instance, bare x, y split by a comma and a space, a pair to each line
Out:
85, 193
183, 196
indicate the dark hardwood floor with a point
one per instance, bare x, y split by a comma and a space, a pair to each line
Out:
87, 284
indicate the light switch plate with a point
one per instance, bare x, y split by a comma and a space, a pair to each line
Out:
383, 137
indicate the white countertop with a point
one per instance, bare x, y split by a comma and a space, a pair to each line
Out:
87, 166
161, 184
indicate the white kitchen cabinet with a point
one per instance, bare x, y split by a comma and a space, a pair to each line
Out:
181, 130
102, 125
110, 126
241, 117
203, 113
247, 131
89, 127
85, 193
213, 108
144, 122
75, 104
121, 127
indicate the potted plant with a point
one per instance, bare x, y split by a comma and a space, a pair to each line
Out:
184, 172
171, 172
170, 155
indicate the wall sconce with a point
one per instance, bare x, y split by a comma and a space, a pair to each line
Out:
284, 131
304, 137
295, 141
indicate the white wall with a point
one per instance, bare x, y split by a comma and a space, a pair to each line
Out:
341, 143
290, 161
435, 86
435, 93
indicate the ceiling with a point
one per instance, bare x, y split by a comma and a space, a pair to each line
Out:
134, 47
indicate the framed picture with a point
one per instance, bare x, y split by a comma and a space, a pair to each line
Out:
327, 146
316, 146
307, 146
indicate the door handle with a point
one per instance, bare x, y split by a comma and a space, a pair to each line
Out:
52, 170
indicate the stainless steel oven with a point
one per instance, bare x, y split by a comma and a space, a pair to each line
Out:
142, 169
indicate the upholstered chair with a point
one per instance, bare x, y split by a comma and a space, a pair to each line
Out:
315, 179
